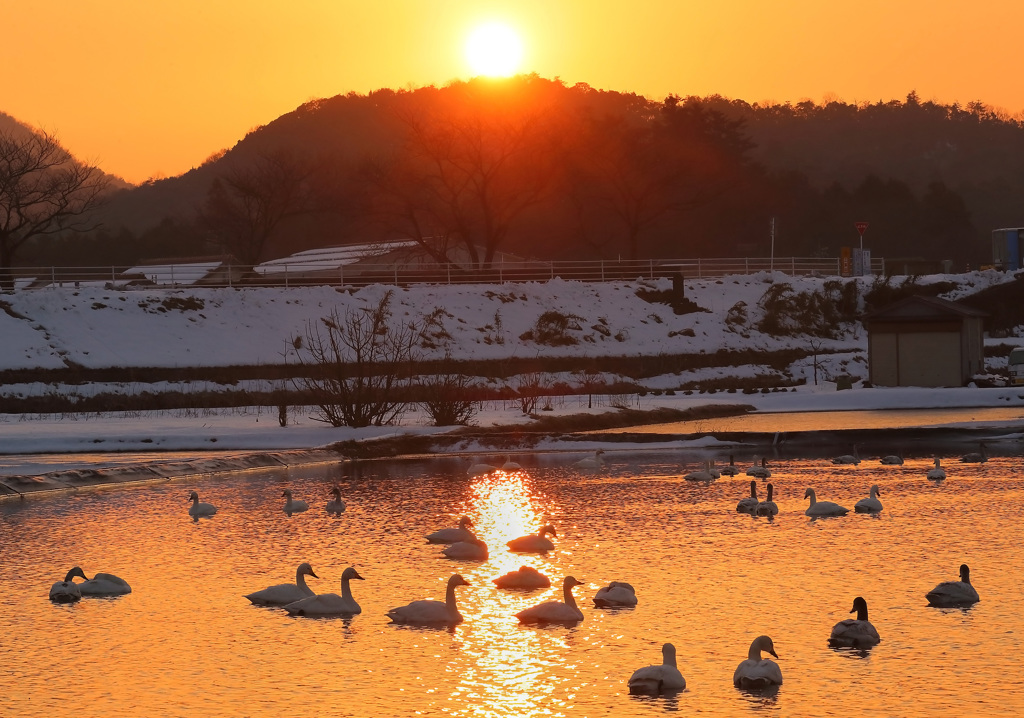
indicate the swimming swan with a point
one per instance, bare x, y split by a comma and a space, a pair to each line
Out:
731, 469
748, 504
760, 470
767, 507
892, 459
658, 679
510, 465
936, 473
976, 457
101, 584
950, 594
534, 543
478, 469
564, 611
853, 458
524, 577
870, 505
335, 505
291, 506
284, 593
823, 508
755, 672
329, 604
198, 509
615, 594
67, 591
591, 462
431, 612
856, 632
453, 535
472, 550
705, 474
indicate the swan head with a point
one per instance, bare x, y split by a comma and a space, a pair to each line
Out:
770, 487
965, 573
287, 492
350, 573
860, 607
457, 580
336, 492
570, 581
193, 496
875, 491
762, 643
306, 570
668, 653
464, 521
753, 488
809, 494
76, 571
764, 462
549, 529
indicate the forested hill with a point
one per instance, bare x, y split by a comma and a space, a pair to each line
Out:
535, 167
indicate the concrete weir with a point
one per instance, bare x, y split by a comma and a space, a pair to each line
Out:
69, 480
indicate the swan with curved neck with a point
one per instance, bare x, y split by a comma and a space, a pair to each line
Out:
870, 505
462, 533
101, 584
748, 504
197, 508
615, 594
951, 594
329, 604
534, 543
336, 505
284, 593
937, 473
757, 672
67, 591
855, 632
564, 611
472, 550
654, 680
524, 577
429, 612
823, 508
291, 505
768, 506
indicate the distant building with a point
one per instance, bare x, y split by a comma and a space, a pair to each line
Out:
925, 341
221, 271
1006, 248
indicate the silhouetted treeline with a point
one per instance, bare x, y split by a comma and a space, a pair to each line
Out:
537, 168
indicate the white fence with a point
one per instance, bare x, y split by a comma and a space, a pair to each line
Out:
361, 274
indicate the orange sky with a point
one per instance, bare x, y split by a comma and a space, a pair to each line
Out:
153, 88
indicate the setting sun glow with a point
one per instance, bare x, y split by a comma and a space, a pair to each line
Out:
494, 49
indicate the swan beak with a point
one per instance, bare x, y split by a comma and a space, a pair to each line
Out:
313, 574
773, 652
356, 575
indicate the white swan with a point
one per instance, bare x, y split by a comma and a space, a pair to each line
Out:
284, 593
510, 465
853, 458
658, 679
534, 543
480, 469
731, 469
472, 550
335, 505
462, 533
712, 469
524, 577
101, 584
291, 506
616, 593
748, 504
704, 474
767, 507
431, 612
198, 509
760, 470
856, 632
67, 591
954, 593
823, 508
591, 462
329, 604
892, 459
936, 473
564, 611
976, 457
756, 672
870, 505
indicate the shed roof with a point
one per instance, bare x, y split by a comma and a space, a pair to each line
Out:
923, 309
330, 258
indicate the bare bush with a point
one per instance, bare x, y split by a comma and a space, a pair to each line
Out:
445, 397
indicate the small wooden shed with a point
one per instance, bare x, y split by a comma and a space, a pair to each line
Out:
925, 341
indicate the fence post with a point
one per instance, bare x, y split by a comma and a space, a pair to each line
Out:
341, 274
746, 265
53, 276
602, 270
286, 276
794, 266
698, 268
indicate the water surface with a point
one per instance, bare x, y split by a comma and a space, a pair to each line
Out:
186, 642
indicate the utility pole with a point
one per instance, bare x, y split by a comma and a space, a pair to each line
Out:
772, 264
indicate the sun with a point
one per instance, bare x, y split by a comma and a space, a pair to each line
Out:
494, 49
